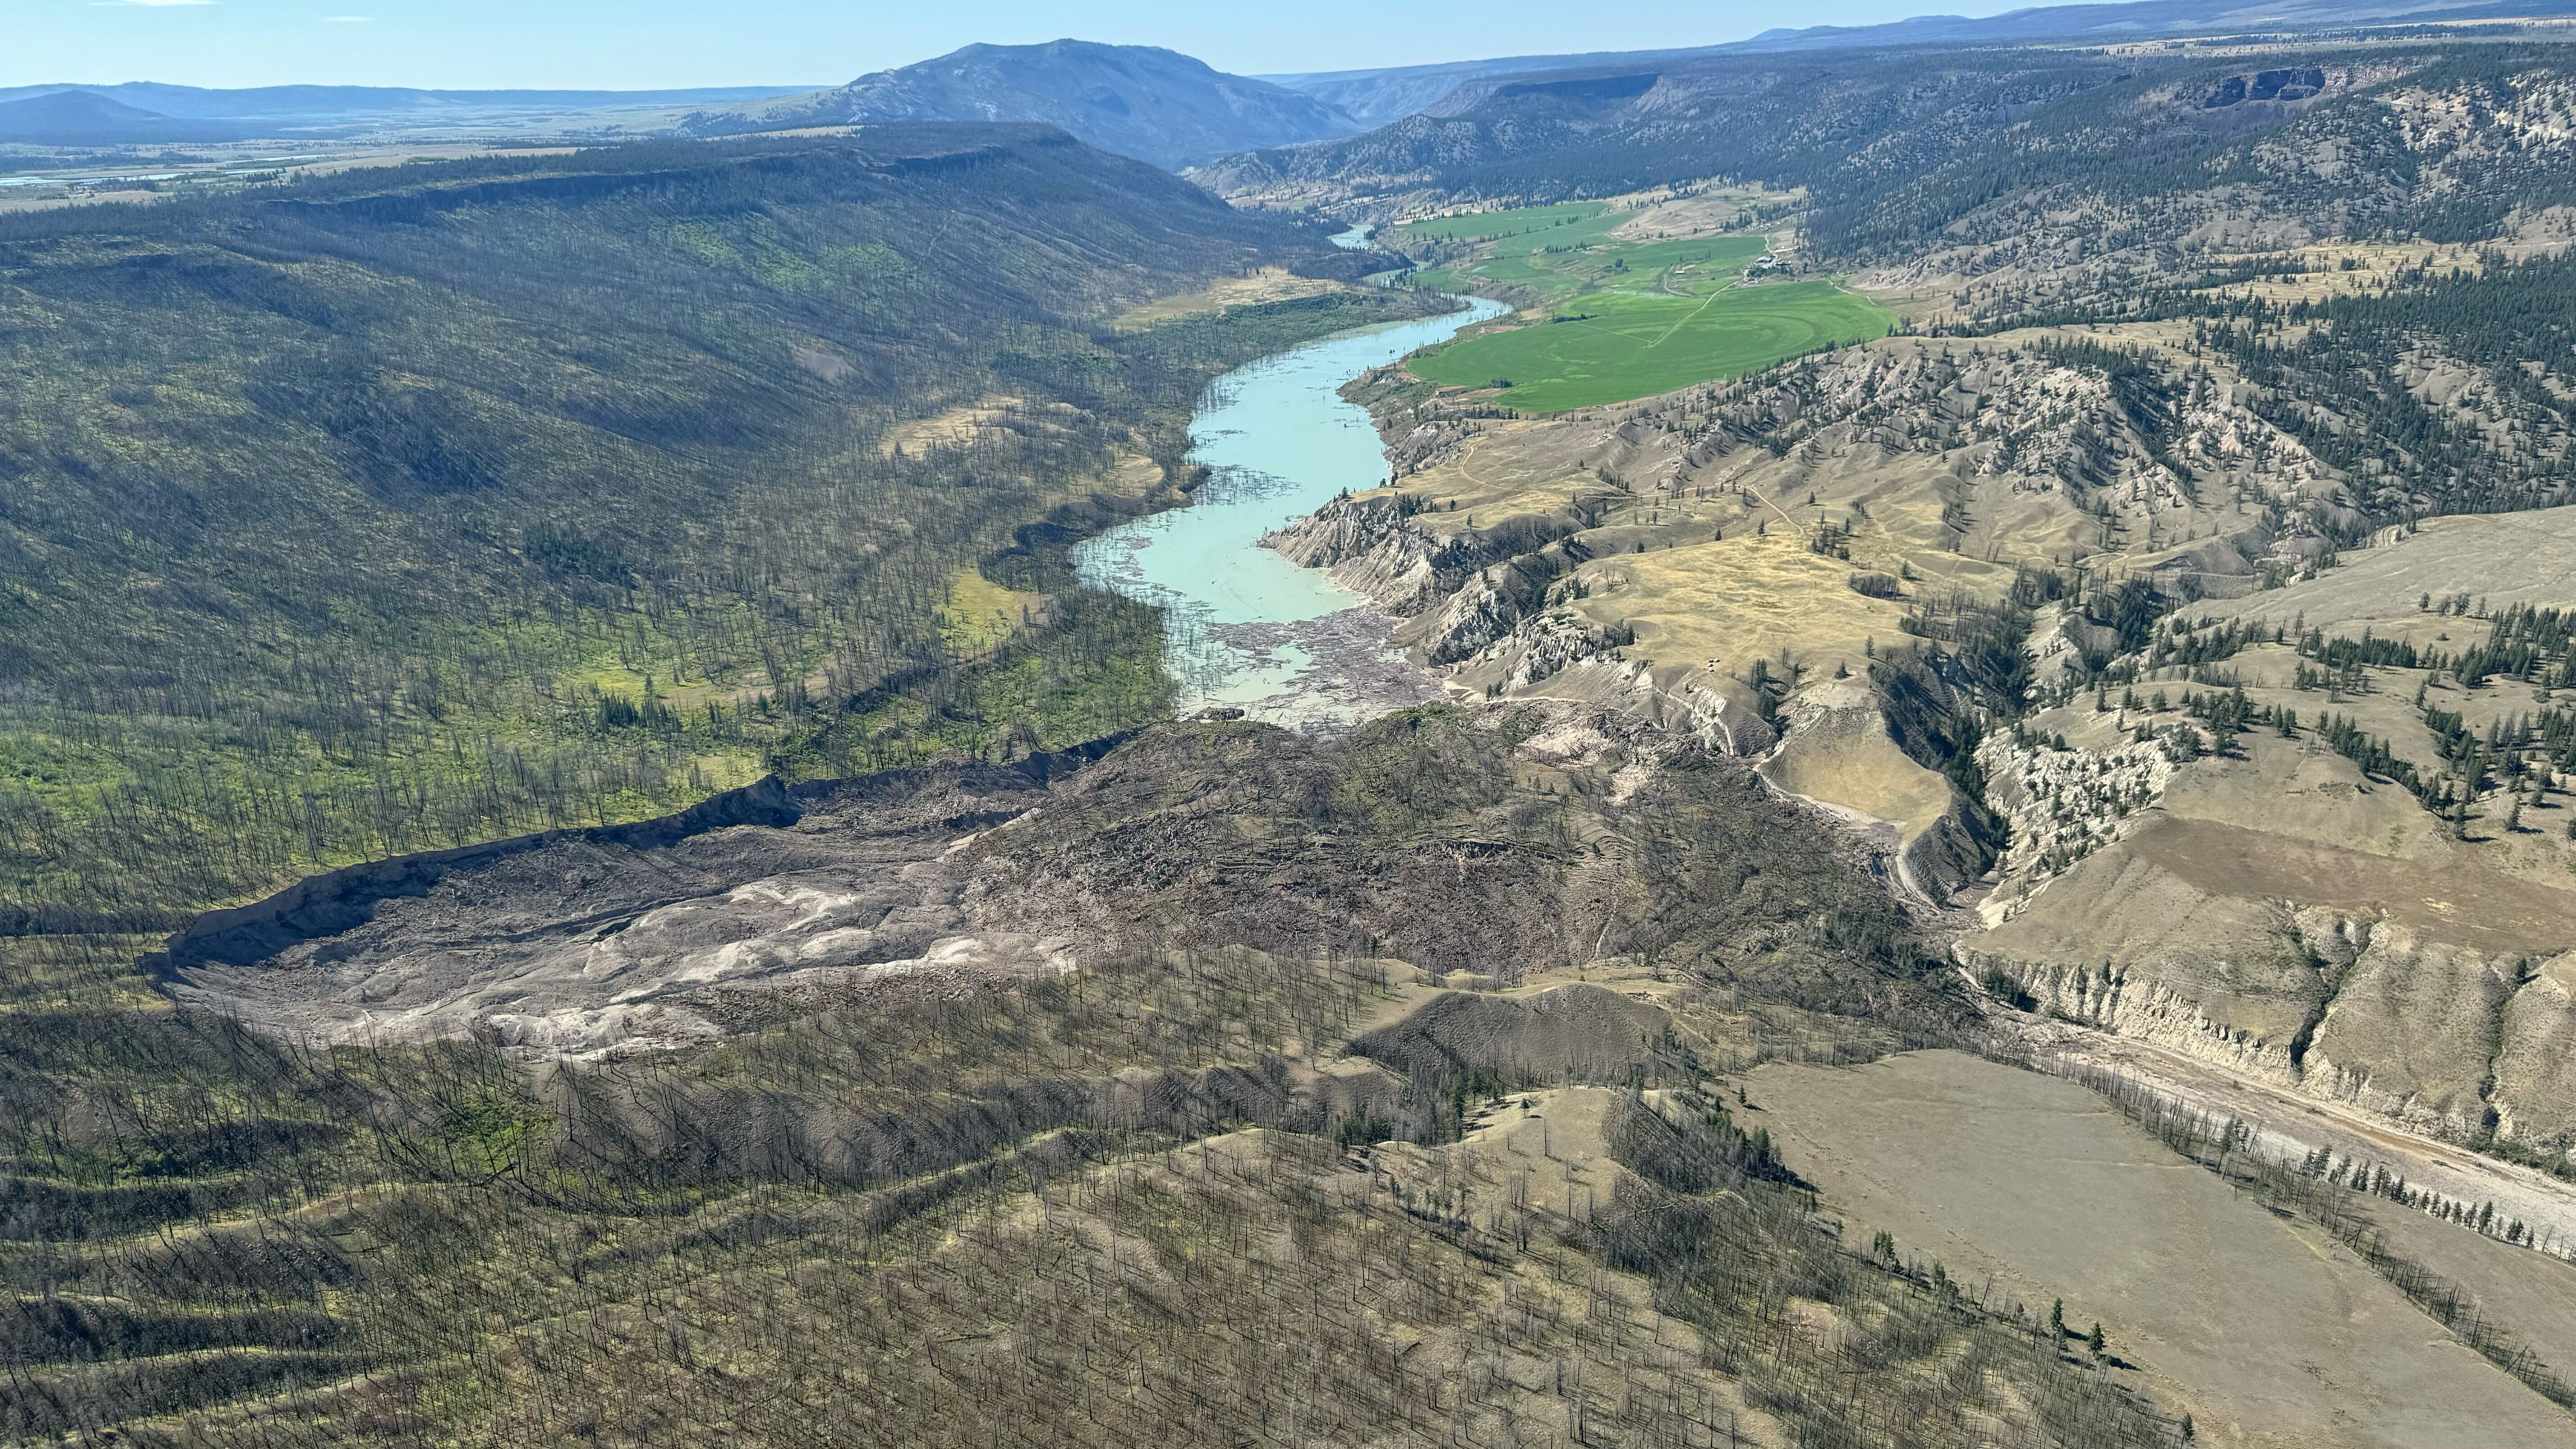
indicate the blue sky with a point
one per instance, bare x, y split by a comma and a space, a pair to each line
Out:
632, 44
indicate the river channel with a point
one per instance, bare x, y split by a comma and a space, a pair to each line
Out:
1242, 626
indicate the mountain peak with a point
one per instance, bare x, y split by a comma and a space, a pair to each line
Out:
86, 118
1138, 100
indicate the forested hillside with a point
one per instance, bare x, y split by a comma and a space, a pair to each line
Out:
2311, 211
1903, 151
399, 509
954, 1202
1873, 117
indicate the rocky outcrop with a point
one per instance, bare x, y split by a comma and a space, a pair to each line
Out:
1379, 547
2121, 943
2535, 1067
1545, 645
1721, 712
2444, 1040
1427, 442
2059, 643
2064, 803
1371, 546
1461, 591
2128, 1002
2410, 1031
1503, 605
1483, 610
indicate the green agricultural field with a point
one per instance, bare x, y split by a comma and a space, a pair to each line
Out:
1528, 221
1549, 251
1564, 272
1613, 346
1628, 319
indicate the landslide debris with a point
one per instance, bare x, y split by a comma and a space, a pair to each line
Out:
1491, 843
586, 942
1481, 1176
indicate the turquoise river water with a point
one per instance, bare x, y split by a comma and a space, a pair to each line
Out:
1244, 627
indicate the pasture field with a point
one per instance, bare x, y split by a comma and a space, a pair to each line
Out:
1624, 319
1615, 345
1573, 270
1553, 251
1570, 218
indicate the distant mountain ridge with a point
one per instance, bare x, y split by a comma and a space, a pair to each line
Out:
2142, 19
1377, 97
1142, 101
85, 118
339, 102
145, 112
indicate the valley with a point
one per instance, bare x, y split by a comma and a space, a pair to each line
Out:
1862, 738
1244, 629
535, 574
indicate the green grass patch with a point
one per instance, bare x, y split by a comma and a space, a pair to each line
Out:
1516, 225
1628, 319
1696, 267
1700, 258
1549, 277
1634, 345
1553, 251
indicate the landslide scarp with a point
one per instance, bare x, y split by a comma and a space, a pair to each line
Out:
589, 942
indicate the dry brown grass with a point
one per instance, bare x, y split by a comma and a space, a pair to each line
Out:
953, 427
2269, 1332
1706, 213
1269, 284
1845, 757
1724, 604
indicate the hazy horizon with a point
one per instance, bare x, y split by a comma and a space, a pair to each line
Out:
672, 44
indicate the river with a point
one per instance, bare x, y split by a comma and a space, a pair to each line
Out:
1242, 626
